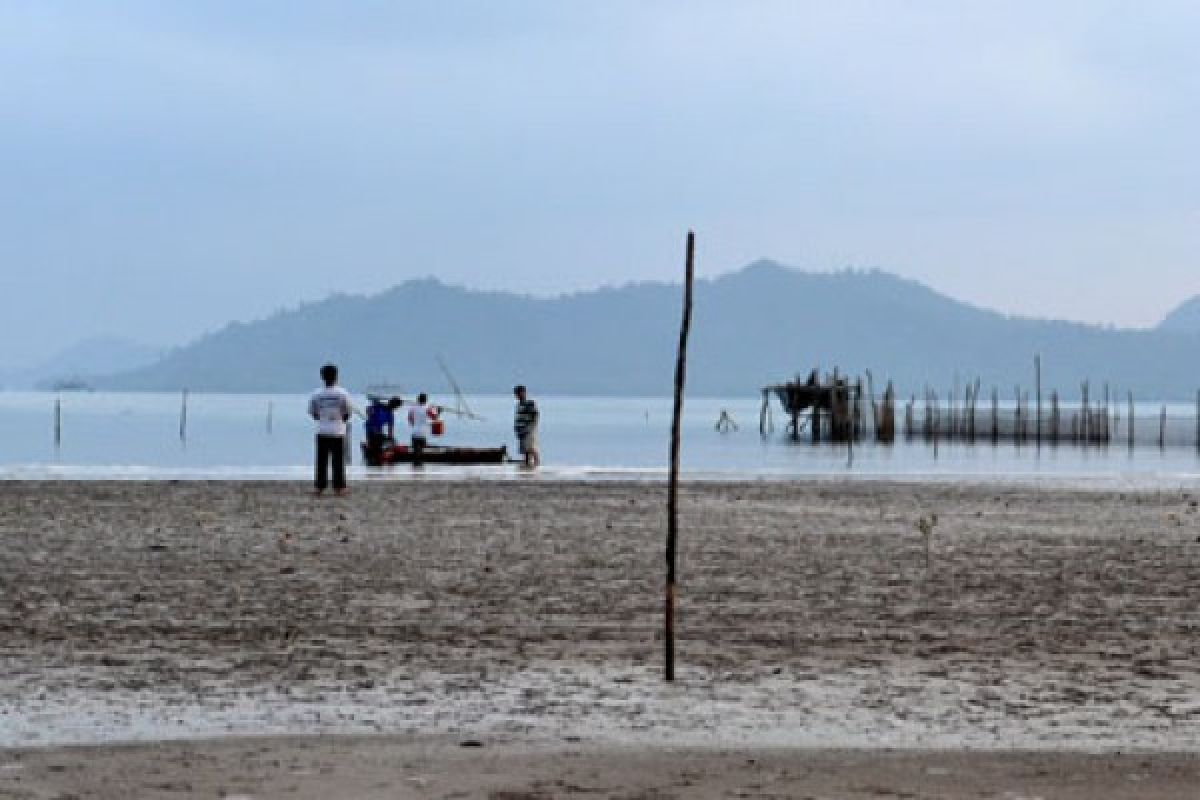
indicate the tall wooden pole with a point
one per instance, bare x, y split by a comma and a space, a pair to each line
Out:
673, 475
58, 421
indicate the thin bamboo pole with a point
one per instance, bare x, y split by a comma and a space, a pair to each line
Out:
1131, 420
995, 415
183, 400
1054, 416
1017, 425
1105, 434
58, 420
1085, 421
1037, 380
673, 479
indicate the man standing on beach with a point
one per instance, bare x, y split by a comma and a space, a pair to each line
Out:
330, 407
525, 425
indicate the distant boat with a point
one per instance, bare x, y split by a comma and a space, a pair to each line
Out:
71, 385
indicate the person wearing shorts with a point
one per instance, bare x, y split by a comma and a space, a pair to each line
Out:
525, 426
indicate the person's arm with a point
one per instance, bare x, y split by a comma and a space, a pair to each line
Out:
345, 408
312, 408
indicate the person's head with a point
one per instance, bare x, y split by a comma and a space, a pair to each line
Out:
395, 403
422, 398
519, 392
329, 374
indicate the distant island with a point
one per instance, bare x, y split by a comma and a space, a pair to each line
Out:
76, 367
761, 324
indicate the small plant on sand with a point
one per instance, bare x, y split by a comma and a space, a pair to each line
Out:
926, 525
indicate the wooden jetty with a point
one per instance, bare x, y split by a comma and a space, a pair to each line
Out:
830, 409
835, 408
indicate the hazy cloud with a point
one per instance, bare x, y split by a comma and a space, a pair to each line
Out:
169, 166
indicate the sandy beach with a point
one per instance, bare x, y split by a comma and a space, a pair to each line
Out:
1037, 642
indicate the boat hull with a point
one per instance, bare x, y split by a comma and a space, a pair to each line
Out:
401, 454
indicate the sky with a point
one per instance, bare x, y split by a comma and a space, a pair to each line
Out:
168, 167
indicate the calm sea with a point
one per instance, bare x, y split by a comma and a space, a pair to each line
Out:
114, 435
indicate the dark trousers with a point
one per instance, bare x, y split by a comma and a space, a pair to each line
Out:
418, 449
331, 449
375, 444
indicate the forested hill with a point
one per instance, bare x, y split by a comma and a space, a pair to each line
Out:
761, 324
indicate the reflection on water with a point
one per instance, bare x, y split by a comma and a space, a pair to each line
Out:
107, 435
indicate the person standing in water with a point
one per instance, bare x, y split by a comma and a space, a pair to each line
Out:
419, 417
525, 426
330, 407
381, 426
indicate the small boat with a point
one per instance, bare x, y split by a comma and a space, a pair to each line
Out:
403, 454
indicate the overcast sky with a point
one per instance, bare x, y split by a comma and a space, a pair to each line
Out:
167, 167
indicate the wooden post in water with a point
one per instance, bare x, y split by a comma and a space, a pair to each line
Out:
1037, 381
270, 416
1162, 428
58, 420
1131, 420
1017, 430
183, 416
1054, 415
673, 475
1198, 420
937, 421
1085, 419
995, 416
974, 405
1108, 415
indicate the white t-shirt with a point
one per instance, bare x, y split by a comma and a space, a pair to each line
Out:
331, 407
418, 420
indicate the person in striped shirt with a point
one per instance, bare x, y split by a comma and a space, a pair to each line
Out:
525, 425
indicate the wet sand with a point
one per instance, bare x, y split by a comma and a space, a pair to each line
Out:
816, 628
384, 767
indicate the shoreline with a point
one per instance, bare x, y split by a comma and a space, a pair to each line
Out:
1100, 481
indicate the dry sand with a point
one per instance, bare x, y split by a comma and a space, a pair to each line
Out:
821, 653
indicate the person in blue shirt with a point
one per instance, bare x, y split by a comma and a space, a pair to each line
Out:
381, 425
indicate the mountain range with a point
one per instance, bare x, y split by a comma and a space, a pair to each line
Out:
762, 324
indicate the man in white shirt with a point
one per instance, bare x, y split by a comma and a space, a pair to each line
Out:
330, 407
419, 417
